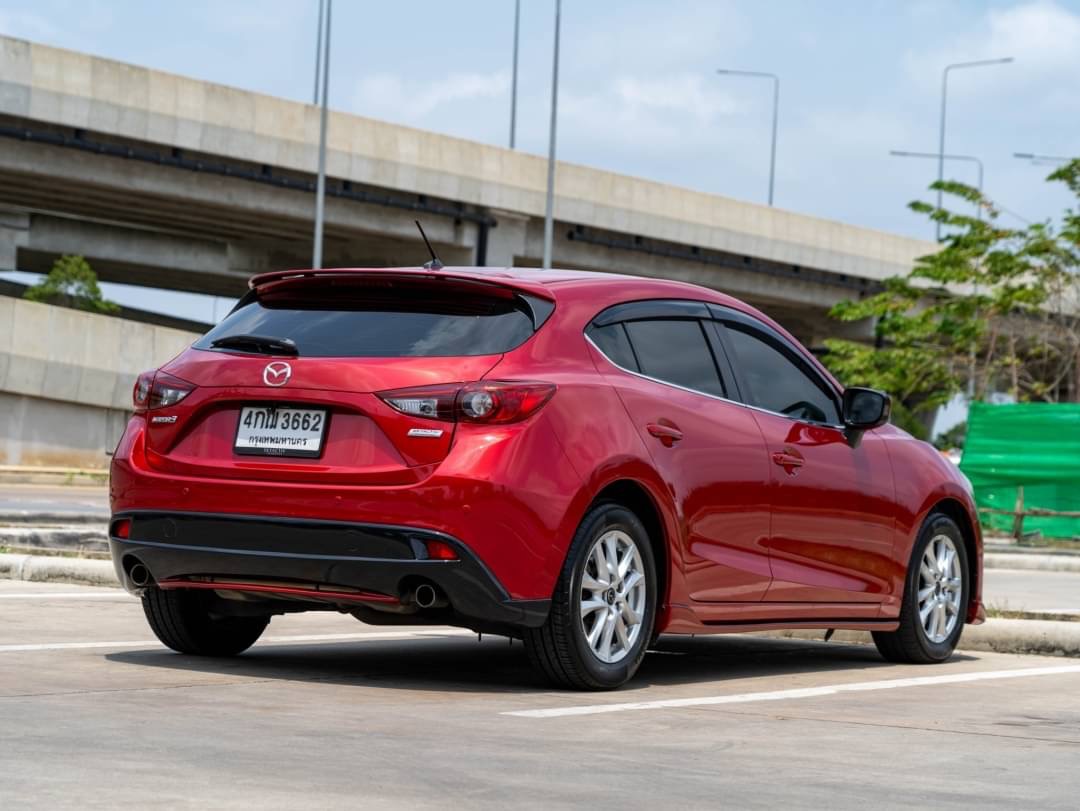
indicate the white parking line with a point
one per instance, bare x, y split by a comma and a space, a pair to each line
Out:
269, 640
67, 595
806, 692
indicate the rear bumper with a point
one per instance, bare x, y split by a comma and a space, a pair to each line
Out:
508, 495
323, 562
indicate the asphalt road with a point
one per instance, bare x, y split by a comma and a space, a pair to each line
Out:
54, 498
93, 713
1021, 590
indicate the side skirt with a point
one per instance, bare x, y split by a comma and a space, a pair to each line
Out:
738, 617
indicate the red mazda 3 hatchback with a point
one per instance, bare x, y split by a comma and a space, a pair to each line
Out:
579, 460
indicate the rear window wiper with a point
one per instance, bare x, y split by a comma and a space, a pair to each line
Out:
262, 344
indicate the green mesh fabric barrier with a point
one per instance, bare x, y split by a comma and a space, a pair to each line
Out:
1031, 445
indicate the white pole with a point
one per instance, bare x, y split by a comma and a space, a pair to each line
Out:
514, 80
549, 213
941, 124
320, 186
318, 52
775, 115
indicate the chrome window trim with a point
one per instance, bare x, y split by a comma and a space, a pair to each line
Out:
706, 394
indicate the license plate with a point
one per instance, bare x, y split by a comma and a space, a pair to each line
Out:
280, 431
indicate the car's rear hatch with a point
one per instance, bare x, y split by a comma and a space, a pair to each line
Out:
312, 351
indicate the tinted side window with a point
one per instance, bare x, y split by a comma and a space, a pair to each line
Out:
777, 382
676, 351
613, 342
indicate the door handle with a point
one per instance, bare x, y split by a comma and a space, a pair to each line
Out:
790, 461
667, 434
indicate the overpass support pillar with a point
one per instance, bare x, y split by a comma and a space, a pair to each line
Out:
14, 233
506, 241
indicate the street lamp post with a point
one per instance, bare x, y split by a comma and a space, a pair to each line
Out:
318, 51
1041, 158
944, 101
549, 209
900, 153
514, 79
320, 184
775, 115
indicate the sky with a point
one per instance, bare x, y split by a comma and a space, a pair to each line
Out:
639, 93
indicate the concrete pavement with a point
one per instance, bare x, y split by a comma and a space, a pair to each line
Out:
400, 718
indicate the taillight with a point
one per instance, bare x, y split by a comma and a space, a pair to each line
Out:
140, 395
494, 402
433, 402
159, 390
502, 401
168, 390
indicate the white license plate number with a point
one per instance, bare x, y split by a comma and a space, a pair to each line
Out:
280, 431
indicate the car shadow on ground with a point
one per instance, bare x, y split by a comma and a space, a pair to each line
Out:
495, 665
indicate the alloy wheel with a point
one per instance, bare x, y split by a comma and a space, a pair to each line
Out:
613, 596
941, 582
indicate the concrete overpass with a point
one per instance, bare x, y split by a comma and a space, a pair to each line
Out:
171, 182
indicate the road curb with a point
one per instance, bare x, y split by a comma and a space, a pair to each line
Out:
77, 477
1014, 549
43, 569
1031, 562
1038, 637
51, 518
57, 539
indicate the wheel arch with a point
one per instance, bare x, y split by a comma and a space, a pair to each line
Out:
635, 497
955, 510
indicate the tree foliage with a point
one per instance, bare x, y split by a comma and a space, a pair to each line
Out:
995, 309
71, 282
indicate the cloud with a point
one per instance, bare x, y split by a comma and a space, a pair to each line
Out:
388, 95
679, 94
653, 113
663, 37
1041, 36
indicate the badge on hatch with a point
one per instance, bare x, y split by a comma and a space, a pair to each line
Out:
277, 373
435, 433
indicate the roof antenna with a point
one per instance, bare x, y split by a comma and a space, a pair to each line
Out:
435, 263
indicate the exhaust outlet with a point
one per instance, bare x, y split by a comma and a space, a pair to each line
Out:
140, 575
426, 596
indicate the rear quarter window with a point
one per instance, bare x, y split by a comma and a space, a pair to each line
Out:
613, 342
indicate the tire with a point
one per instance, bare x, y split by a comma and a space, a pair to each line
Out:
561, 648
182, 621
912, 642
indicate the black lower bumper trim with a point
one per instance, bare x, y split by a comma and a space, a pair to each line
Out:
369, 557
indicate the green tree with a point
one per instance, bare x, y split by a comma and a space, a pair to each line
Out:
995, 308
72, 282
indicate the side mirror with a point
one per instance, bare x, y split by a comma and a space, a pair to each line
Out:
864, 410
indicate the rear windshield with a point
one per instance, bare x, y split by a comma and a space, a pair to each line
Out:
385, 320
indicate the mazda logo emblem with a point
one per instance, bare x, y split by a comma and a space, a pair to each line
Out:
277, 373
